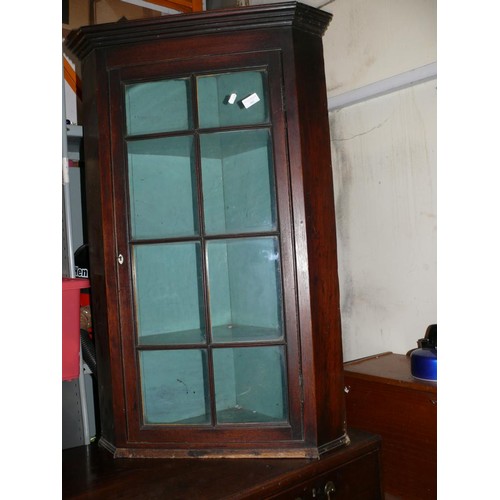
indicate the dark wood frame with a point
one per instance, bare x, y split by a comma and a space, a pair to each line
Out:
288, 37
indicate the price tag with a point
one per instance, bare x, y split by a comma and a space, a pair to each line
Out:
250, 100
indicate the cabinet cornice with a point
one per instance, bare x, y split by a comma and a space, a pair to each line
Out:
83, 41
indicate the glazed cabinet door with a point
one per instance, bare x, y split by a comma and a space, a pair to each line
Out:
203, 237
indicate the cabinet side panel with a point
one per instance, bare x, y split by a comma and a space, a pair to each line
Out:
98, 212
319, 214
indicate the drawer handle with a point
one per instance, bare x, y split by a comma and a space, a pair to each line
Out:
329, 488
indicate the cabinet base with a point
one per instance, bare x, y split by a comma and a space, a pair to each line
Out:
91, 472
311, 453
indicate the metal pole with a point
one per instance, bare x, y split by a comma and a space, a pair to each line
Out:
65, 182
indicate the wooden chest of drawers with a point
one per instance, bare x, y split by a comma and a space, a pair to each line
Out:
349, 473
382, 397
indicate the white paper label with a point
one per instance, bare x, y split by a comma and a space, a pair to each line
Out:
250, 100
232, 98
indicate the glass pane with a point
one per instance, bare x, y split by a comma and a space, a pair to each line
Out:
162, 188
237, 98
238, 182
168, 294
174, 387
161, 106
250, 384
245, 289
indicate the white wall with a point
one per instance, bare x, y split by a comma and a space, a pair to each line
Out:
369, 40
384, 162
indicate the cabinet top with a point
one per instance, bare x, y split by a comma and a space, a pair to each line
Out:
388, 368
84, 40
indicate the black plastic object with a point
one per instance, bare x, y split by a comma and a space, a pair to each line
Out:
81, 257
88, 351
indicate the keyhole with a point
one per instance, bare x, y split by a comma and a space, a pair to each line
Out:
329, 488
120, 259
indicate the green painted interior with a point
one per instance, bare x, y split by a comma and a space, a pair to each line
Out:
162, 188
158, 106
255, 376
243, 273
168, 293
238, 182
174, 386
213, 99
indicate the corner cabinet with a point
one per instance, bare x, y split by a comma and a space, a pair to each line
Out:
211, 226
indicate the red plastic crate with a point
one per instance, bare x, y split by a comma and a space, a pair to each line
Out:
71, 326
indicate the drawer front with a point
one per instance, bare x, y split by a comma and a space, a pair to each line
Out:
355, 480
